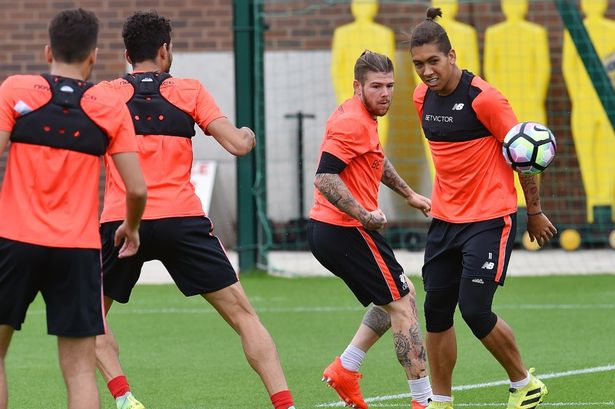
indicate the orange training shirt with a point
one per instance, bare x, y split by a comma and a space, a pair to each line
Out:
49, 195
351, 135
166, 160
465, 130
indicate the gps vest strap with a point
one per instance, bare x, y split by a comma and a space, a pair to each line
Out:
153, 114
61, 123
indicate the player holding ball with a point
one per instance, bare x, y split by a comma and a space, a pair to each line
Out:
474, 207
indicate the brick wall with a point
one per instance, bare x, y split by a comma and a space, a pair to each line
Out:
198, 25
206, 25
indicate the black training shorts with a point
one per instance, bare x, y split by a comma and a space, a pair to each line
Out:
478, 250
186, 246
362, 258
68, 278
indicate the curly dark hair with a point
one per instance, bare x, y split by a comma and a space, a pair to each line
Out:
73, 34
144, 33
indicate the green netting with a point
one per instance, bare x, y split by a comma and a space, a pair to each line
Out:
531, 59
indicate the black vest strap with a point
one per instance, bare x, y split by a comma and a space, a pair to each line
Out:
153, 114
62, 123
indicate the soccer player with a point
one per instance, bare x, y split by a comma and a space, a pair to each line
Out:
344, 236
175, 229
58, 126
474, 214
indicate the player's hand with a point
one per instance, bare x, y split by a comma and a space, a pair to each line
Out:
420, 202
250, 136
129, 240
540, 228
375, 220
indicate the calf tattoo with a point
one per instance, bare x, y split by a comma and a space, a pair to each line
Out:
410, 348
377, 320
410, 351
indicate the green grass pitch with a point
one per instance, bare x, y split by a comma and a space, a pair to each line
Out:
178, 353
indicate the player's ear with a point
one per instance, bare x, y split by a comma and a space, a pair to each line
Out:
163, 51
356, 85
48, 54
89, 62
94, 56
452, 56
127, 57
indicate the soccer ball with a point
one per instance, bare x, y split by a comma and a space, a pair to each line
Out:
529, 147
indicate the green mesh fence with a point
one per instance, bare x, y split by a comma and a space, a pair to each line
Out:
525, 54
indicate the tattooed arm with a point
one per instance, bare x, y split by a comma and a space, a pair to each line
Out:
529, 184
335, 190
392, 180
539, 226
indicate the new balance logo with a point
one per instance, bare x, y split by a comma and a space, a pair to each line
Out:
458, 106
488, 265
478, 281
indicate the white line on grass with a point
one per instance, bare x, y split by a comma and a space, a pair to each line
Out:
208, 310
500, 405
327, 309
595, 369
555, 306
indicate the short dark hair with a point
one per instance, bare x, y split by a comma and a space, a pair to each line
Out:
371, 61
144, 33
73, 34
430, 32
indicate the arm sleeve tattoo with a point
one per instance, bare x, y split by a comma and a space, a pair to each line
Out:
333, 188
392, 180
530, 191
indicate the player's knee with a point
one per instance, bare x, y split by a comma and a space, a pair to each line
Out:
481, 320
401, 310
411, 289
439, 309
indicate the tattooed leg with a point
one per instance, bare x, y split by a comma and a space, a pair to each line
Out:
375, 323
378, 320
407, 337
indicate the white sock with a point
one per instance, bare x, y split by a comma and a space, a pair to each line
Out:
441, 398
420, 389
520, 384
352, 358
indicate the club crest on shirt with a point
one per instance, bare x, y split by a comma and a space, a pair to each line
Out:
404, 281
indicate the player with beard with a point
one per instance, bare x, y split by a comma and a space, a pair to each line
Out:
344, 235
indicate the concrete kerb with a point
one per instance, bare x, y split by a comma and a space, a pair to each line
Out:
522, 263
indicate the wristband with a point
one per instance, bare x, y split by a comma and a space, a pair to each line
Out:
534, 214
